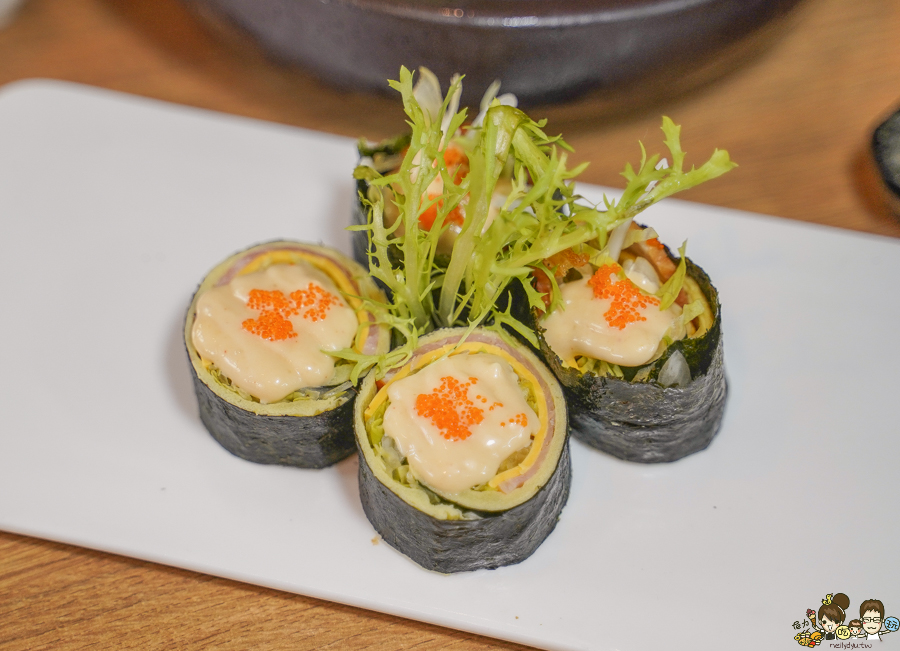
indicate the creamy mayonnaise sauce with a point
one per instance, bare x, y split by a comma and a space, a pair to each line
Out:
458, 419
623, 329
265, 331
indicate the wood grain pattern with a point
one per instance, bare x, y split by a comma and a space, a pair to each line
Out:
797, 115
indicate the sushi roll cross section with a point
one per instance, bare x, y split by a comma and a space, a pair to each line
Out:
643, 374
437, 205
464, 459
263, 334
462, 433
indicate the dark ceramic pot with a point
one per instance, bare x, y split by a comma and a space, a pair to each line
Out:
541, 50
886, 150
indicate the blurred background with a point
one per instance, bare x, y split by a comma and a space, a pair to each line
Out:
792, 89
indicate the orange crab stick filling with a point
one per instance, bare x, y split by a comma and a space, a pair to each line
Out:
457, 419
269, 331
457, 164
606, 316
559, 264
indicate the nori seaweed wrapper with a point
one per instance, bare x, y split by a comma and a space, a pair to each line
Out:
449, 546
482, 538
644, 421
383, 155
307, 432
303, 441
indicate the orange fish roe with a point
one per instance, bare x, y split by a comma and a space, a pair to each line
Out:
317, 299
273, 324
518, 419
261, 299
626, 299
449, 408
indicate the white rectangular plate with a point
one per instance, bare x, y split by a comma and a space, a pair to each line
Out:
113, 208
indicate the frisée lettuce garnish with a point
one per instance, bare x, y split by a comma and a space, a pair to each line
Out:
542, 215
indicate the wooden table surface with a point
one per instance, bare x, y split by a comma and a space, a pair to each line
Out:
796, 114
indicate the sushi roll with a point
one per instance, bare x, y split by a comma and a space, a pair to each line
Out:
660, 404
258, 334
382, 158
464, 461
441, 201
643, 383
